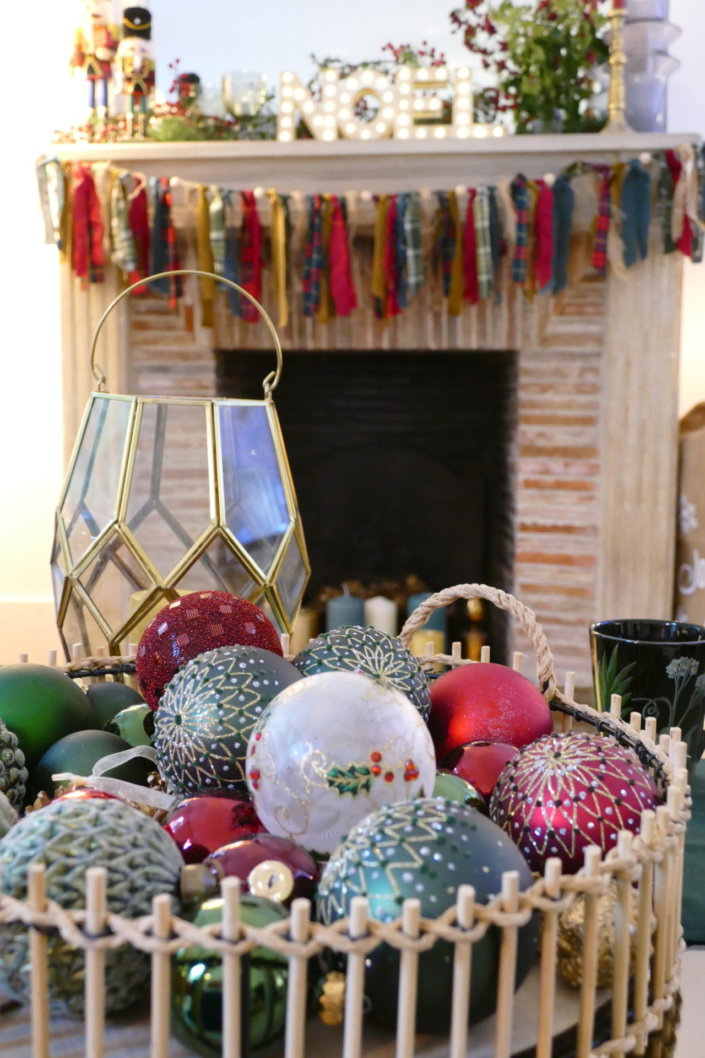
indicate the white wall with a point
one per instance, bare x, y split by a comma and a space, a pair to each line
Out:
209, 38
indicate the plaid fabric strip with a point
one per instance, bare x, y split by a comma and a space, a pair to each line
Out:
158, 248
138, 217
400, 250
313, 256
602, 221
635, 208
378, 287
665, 205
390, 260
216, 226
88, 255
496, 241
413, 254
471, 291
543, 230
520, 197
231, 260
563, 205
250, 256
481, 211
173, 260
342, 288
124, 252
444, 247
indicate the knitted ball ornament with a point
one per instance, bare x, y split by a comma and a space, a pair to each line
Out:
68, 836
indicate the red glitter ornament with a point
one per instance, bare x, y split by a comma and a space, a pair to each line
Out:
200, 825
486, 702
191, 625
567, 791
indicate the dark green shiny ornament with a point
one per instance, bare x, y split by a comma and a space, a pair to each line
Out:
425, 849
455, 788
197, 984
134, 724
375, 653
109, 698
77, 753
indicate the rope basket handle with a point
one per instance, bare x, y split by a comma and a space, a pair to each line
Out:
545, 672
269, 383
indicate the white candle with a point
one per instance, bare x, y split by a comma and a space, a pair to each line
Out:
381, 613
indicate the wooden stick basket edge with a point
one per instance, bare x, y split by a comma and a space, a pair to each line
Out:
646, 955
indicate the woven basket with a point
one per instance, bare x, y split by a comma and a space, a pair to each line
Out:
544, 1018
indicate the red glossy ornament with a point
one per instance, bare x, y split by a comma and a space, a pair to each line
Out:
191, 625
480, 763
268, 865
486, 702
85, 793
567, 791
200, 825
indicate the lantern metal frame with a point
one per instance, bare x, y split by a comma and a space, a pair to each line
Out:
76, 574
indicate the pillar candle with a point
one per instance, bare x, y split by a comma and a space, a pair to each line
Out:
305, 627
344, 609
381, 613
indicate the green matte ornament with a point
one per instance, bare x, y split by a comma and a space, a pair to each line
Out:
77, 753
197, 984
13, 774
109, 698
425, 849
69, 836
41, 705
455, 788
135, 724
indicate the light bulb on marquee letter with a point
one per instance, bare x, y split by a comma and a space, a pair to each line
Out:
295, 97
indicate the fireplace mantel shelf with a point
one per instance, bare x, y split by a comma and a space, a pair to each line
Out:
375, 166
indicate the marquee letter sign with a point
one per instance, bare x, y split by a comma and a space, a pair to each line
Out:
369, 105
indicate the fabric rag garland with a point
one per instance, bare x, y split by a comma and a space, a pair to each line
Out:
527, 222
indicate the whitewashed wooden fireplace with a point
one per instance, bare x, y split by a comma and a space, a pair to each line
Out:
596, 446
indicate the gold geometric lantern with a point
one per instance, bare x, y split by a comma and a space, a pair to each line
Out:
169, 495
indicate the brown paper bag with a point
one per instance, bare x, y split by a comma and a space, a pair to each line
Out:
689, 603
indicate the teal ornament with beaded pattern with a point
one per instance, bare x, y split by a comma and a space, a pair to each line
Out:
207, 713
425, 849
375, 653
13, 774
69, 836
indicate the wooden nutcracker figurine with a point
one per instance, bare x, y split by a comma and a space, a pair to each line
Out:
94, 49
135, 64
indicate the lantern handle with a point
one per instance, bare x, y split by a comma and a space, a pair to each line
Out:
269, 383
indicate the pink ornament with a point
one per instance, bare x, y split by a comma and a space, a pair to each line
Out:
269, 866
200, 825
480, 763
486, 702
565, 792
191, 625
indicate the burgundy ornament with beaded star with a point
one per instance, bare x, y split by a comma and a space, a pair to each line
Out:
192, 625
566, 791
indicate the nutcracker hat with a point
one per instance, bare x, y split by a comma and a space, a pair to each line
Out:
137, 22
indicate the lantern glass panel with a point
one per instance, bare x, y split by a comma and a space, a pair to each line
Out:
58, 571
80, 627
169, 506
219, 569
115, 581
292, 577
92, 494
254, 499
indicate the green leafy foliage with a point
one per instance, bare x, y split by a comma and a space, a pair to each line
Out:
611, 681
354, 779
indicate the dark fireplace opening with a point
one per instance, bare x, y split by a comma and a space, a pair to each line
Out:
403, 466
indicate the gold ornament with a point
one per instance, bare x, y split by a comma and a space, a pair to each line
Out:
331, 1001
571, 928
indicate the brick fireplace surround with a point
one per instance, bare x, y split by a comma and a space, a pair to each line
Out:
596, 446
